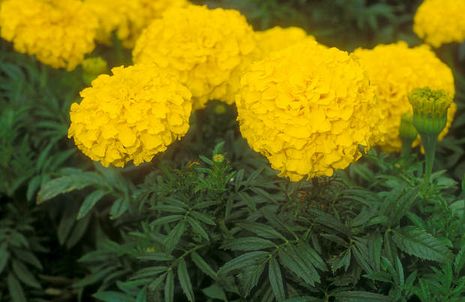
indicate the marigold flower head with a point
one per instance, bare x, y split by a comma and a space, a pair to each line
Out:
127, 18
208, 49
396, 70
58, 32
307, 108
132, 115
440, 21
278, 38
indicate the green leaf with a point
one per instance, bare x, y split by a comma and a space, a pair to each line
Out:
89, 202
4, 257
293, 262
112, 296
248, 244
417, 242
24, 275
66, 184
118, 208
276, 280
197, 228
169, 287
216, 292
174, 236
203, 265
262, 230
360, 296
244, 261
185, 280
15, 289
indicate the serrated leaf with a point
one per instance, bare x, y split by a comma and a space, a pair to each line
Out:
185, 280
417, 242
4, 257
360, 296
216, 292
66, 184
24, 275
15, 289
290, 260
169, 287
248, 244
174, 236
89, 202
276, 279
112, 296
243, 261
203, 265
262, 230
118, 208
250, 277
197, 228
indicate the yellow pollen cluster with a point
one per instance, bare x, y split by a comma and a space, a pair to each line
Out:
127, 18
58, 32
440, 21
396, 70
307, 108
132, 115
207, 48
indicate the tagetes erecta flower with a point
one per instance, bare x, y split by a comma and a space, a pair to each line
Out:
396, 70
440, 21
207, 48
308, 109
278, 38
130, 116
57, 32
127, 18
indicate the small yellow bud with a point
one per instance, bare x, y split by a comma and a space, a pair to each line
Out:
218, 158
220, 109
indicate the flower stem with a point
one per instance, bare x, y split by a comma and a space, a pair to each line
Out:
429, 143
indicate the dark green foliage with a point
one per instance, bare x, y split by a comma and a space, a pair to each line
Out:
208, 220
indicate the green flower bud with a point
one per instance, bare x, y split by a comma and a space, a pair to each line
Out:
407, 131
429, 110
93, 67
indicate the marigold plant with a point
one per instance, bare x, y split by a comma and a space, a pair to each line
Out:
207, 48
307, 108
58, 32
440, 21
396, 70
132, 115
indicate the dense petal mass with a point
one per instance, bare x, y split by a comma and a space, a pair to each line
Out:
440, 21
58, 32
396, 70
278, 38
132, 115
307, 108
127, 18
207, 48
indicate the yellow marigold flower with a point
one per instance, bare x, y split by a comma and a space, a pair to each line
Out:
440, 21
307, 108
278, 38
127, 18
58, 32
132, 115
208, 48
396, 70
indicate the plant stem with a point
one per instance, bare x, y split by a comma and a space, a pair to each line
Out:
429, 143
406, 148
